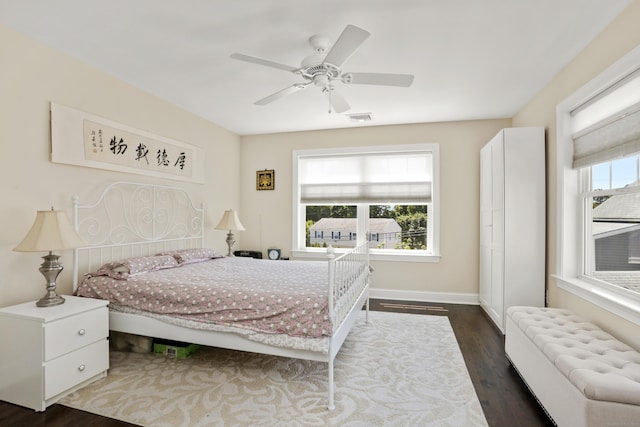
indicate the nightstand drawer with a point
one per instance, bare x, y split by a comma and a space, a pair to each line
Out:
73, 332
71, 369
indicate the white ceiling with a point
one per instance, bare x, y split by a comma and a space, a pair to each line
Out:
472, 59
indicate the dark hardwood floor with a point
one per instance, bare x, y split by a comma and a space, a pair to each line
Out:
502, 394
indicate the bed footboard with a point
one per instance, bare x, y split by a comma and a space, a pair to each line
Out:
348, 278
348, 292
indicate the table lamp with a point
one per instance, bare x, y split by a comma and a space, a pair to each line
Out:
231, 222
51, 231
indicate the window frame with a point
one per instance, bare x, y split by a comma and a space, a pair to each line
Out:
298, 248
573, 227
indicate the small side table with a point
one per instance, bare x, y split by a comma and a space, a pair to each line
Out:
49, 352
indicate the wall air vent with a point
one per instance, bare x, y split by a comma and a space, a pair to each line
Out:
360, 117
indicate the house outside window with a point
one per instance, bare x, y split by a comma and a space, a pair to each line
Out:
347, 238
387, 195
598, 144
614, 200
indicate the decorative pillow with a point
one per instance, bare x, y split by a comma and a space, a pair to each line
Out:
186, 256
137, 265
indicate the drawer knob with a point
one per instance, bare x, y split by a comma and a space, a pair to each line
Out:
81, 332
81, 368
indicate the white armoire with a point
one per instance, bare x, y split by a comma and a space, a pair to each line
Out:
512, 221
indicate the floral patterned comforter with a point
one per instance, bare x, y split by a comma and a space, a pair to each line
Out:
277, 297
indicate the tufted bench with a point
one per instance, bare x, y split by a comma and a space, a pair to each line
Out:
580, 374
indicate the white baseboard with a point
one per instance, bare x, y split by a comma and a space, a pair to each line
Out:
441, 297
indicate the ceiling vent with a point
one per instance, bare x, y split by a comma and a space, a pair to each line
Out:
360, 117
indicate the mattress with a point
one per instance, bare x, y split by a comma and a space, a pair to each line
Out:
264, 296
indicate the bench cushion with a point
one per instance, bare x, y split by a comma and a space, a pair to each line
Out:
600, 366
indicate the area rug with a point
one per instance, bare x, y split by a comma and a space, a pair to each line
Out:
396, 370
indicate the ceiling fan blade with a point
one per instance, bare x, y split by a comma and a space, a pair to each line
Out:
260, 61
281, 93
403, 80
337, 101
350, 39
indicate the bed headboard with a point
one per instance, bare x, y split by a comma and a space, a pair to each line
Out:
133, 219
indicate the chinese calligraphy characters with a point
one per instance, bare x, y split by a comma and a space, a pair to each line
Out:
133, 150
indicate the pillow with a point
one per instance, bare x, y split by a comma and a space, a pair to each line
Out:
137, 265
186, 256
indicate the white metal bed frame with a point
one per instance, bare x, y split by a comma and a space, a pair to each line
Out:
133, 219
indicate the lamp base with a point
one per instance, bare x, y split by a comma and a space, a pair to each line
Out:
50, 300
50, 269
230, 241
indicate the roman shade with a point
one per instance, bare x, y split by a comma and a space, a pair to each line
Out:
607, 126
385, 177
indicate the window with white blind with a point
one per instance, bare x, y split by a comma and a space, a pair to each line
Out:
385, 195
607, 126
599, 190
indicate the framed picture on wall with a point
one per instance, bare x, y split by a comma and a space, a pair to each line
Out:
265, 179
83, 139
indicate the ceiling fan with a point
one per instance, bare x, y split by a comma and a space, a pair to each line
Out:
324, 69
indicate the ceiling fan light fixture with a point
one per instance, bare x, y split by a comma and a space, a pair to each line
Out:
360, 117
322, 80
324, 67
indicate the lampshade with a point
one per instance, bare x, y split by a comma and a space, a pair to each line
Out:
230, 221
51, 231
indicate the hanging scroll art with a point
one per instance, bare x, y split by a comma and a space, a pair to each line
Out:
83, 139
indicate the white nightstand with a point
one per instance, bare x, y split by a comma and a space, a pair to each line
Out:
48, 352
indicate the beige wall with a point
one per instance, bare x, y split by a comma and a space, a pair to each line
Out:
31, 76
618, 39
267, 215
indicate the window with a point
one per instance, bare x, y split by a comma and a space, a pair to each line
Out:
598, 145
611, 197
386, 195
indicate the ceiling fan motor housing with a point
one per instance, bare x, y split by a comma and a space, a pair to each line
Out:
321, 74
313, 68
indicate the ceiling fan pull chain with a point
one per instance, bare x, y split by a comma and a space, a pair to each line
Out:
329, 87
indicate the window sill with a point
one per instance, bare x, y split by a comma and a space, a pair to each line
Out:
405, 256
618, 301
